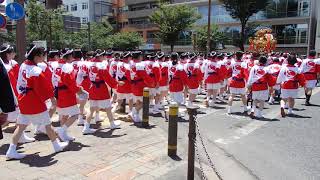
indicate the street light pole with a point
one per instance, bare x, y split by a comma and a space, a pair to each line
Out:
209, 28
21, 36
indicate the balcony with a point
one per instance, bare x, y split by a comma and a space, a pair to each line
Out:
131, 2
141, 26
139, 13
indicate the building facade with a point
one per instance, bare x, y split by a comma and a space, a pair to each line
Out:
292, 21
89, 10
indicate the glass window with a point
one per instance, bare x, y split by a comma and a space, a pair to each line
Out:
84, 20
66, 8
74, 7
85, 5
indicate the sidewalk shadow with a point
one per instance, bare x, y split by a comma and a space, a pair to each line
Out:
139, 125
312, 105
267, 119
296, 109
41, 137
9, 130
176, 158
75, 146
241, 114
298, 116
5, 147
99, 133
35, 160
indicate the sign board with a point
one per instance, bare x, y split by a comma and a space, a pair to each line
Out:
3, 21
147, 47
15, 11
40, 44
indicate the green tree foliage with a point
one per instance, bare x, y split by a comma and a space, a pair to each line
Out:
217, 37
126, 40
100, 32
172, 20
242, 10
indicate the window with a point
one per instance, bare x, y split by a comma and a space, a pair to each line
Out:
66, 8
74, 7
85, 5
84, 20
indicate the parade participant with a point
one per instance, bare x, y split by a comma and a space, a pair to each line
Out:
177, 79
66, 91
33, 88
213, 78
309, 70
7, 55
274, 69
99, 96
237, 82
123, 74
152, 68
259, 82
82, 80
224, 73
290, 78
53, 56
139, 80
113, 64
164, 80
194, 78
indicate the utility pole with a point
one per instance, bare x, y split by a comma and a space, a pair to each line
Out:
89, 36
209, 28
21, 36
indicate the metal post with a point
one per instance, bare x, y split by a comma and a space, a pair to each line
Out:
192, 111
145, 110
89, 37
1, 134
173, 129
21, 37
209, 28
123, 106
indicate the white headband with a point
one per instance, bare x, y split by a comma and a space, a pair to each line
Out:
28, 53
8, 46
101, 53
68, 52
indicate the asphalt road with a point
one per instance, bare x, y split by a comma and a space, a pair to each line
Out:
271, 149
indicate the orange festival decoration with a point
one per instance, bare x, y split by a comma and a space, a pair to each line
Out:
263, 42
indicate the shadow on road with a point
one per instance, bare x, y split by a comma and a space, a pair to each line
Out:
35, 160
75, 146
298, 116
176, 158
99, 133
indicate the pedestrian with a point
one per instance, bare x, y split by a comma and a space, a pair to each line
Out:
99, 96
164, 61
274, 69
290, 78
237, 83
310, 71
66, 91
259, 82
33, 88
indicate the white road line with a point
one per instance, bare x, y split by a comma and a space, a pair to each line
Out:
253, 126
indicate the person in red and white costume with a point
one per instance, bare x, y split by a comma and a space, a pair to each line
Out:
152, 68
99, 96
224, 73
227, 61
123, 74
309, 68
194, 78
33, 89
290, 78
177, 80
82, 80
112, 68
164, 80
237, 83
7, 55
213, 78
259, 82
139, 80
66, 91
274, 70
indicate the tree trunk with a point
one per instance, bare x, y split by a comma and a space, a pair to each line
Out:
172, 47
242, 34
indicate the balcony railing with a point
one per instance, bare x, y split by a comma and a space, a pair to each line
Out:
141, 26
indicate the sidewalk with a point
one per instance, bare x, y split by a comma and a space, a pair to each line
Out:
126, 153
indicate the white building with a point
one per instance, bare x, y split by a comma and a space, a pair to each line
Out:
89, 10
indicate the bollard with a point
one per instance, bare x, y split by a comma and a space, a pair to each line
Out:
173, 129
145, 110
123, 106
192, 111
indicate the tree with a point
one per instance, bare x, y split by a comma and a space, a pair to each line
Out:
100, 32
40, 20
242, 10
216, 37
126, 40
172, 20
